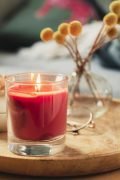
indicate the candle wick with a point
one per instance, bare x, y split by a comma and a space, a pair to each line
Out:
38, 90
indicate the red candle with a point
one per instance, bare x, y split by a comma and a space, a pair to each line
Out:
37, 114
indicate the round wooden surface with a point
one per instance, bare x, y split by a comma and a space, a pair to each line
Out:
93, 151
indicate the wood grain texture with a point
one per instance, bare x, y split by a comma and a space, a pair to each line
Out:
93, 151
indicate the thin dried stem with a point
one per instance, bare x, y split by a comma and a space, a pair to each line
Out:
77, 57
96, 40
70, 51
93, 87
94, 47
100, 44
68, 44
76, 49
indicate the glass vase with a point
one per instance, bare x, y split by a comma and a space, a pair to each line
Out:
90, 91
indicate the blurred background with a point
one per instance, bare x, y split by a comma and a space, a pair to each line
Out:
20, 25
22, 20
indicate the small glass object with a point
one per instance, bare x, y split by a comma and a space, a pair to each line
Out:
91, 91
37, 113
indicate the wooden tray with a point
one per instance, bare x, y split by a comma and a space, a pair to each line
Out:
93, 151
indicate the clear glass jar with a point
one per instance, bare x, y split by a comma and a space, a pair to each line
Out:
90, 90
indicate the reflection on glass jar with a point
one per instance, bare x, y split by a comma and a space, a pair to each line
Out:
3, 116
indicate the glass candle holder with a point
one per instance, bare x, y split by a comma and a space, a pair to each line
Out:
3, 116
37, 113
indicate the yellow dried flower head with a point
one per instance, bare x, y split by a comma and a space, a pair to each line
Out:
58, 37
46, 34
63, 28
112, 32
115, 7
75, 28
110, 19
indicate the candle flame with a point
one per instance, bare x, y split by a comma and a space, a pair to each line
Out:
38, 85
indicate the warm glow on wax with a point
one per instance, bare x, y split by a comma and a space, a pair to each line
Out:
38, 85
32, 76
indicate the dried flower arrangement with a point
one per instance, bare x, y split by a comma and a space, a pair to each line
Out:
68, 33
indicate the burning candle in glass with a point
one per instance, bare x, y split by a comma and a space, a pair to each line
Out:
37, 108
